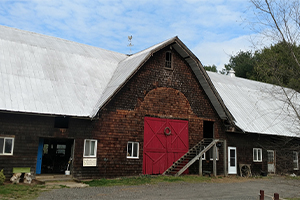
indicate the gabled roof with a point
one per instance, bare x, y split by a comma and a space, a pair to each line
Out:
47, 75
258, 107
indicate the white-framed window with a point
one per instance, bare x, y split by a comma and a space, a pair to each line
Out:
210, 153
295, 160
257, 155
6, 145
90, 148
169, 60
132, 150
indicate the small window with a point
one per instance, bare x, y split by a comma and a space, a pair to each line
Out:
90, 148
295, 160
132, 150
168, 60
6, 145
211, 156
257, 155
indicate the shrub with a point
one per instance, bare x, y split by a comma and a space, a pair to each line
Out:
2, 177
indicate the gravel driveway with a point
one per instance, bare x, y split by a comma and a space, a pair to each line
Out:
243, 189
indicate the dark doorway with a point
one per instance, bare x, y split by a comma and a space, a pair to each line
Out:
208, 129
56, 155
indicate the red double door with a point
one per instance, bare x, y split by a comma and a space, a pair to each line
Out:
165, 141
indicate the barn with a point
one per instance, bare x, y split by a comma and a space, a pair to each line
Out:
266, 131
99, 113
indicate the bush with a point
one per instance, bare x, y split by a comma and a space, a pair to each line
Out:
2, 177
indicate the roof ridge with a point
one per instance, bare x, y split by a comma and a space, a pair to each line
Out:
41, 35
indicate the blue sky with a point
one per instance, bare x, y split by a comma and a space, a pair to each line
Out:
212, 29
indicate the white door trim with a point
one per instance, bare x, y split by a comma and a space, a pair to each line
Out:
271, 161
232, 160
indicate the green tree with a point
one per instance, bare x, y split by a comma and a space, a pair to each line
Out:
243, 64
212, 68
276, 65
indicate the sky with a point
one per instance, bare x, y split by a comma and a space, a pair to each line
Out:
212, 29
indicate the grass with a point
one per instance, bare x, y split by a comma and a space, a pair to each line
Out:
145, 179
20, 191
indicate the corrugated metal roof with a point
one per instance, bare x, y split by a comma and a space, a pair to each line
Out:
47, 75
257, 107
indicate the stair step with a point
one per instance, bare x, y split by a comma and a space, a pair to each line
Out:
190, 157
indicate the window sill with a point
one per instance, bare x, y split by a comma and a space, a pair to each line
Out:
132, 157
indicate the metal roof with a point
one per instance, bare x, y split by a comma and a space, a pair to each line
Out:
47, 75
258, 107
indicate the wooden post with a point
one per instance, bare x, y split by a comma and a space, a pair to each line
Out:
214, 160
261, 195
225, 157
276, 196
200, 166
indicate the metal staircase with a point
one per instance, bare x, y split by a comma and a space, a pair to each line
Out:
190, 157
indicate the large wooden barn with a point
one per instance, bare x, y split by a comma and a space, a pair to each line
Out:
109, 114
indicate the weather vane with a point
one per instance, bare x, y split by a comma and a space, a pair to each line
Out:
130, 44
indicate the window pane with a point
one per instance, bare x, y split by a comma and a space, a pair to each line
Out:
232, 153
135, 149
295, 156
259, 154
92, 153
87, 148
232, 162
8, 146
1, 145
129, 149
255, 154
270, 156
232, 157
168, 59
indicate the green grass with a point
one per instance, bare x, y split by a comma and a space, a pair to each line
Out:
18, 191
145, 179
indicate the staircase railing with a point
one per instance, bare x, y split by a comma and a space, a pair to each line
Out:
192, 156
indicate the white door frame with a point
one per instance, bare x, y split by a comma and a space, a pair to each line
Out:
232, 160
271, 162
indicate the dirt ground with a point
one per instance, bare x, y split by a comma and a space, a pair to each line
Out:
232, 188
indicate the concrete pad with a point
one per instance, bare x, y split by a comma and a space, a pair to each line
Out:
70, 184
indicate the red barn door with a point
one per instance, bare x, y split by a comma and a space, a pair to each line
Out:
165, 141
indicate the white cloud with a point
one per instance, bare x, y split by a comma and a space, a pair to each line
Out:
209, 28
218, 53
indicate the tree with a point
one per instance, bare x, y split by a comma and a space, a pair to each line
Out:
243, 65
278, 22
212, 68
275, 65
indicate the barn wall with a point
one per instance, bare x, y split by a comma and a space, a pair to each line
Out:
283, 147
157, 92
27, 129
153, 91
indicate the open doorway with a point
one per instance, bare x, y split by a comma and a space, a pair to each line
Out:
208, 129
54, 155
